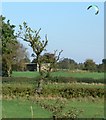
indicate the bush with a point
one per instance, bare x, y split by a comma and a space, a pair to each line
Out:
23, 80
19, 91
70, 80
51, 79
90, 80
60, 92
62, 79
73, 91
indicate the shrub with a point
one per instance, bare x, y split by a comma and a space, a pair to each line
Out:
73, 92
16, 80
71, 79
51, 79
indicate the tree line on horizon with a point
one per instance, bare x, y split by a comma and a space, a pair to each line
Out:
70, 64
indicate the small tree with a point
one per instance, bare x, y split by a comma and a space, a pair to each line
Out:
38, 45
33, 37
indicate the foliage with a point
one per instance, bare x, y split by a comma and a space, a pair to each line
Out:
67, 63
61, 79
90, 65
51, 79
77, 107
12, 50
26, 87
38, 46
8, 46
100, 68
19, 80
33, 37
72, 91
7, 35
57, 108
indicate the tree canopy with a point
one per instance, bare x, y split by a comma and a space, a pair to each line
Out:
10, 46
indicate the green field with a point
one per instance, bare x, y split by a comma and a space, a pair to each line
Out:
84, 99
93, 75
25, 74
22, 109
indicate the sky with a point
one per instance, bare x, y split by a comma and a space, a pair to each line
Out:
69, 26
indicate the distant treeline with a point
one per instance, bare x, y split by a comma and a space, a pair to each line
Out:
66, 64
88, 65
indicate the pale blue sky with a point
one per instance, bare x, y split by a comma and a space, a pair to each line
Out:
68, 25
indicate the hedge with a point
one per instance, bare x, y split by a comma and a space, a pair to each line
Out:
51, 79
70, 91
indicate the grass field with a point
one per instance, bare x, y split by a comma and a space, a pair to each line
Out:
25, 74
22, 109
93, 75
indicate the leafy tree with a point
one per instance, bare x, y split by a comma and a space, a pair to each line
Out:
67, 63
7, 35
90, 65
9, 46
104, 64
12, 50
103, 61
64, 64
100, 68
80, 66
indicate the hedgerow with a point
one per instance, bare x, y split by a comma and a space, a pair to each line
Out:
66, 90
58, 79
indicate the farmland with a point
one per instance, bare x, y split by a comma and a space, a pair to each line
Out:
94, 75
42, 81
60, 99
22, 109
